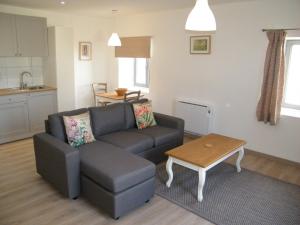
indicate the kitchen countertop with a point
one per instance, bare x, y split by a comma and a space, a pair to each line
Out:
14, 91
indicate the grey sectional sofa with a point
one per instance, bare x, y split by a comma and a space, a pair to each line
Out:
117, 171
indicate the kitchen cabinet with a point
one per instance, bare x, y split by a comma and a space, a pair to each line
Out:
40, 105
8, 41
31, 36
23, 36
23, 115
13, 117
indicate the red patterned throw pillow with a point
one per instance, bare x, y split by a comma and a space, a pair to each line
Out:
143, 115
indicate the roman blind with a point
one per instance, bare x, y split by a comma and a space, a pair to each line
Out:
134, 47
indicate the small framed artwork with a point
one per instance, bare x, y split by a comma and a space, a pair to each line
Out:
200, 44
85, 51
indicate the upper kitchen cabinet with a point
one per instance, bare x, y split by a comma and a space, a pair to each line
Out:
31, 36
23, 36
8, 37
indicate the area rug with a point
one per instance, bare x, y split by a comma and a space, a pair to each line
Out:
232, 198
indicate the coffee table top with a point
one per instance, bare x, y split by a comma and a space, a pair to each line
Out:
206, 150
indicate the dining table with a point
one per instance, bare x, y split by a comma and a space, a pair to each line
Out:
111, 97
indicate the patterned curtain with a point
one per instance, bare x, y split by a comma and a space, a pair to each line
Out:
269, 105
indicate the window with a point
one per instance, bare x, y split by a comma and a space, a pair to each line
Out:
134, 73
291, 99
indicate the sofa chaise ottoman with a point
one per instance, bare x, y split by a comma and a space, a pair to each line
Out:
116, 172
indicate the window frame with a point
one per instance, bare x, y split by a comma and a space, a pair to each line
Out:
136, 84
288, 46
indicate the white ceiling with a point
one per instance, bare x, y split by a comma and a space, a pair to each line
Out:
104, 7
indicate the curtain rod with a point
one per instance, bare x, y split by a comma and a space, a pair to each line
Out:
264, 30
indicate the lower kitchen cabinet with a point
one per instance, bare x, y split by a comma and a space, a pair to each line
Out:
23, 115
14, 120
40, 105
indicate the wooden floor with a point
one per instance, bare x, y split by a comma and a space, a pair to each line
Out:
25, 198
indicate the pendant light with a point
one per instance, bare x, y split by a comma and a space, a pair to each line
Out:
201, 18
114, 39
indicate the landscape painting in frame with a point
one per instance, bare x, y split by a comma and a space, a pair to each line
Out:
200, 44
85, 50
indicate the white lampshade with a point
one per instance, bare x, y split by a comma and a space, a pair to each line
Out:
201, 18
114, 40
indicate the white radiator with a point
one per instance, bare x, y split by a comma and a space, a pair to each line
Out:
198, 116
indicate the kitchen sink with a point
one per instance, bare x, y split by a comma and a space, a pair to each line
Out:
17, 89
40, 87
36, 87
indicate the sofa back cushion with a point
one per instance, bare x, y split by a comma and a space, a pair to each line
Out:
107, 119
129, 116
56, 125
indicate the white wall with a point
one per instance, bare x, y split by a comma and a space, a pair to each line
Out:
230, 77
61, 64
97, 31
92, 29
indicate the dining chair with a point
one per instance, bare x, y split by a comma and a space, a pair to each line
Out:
99, 88
132, 96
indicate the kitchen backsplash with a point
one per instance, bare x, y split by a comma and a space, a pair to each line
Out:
12, 67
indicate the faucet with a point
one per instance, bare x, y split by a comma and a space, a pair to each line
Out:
23, 85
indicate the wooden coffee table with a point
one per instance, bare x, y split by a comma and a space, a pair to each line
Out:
204, 153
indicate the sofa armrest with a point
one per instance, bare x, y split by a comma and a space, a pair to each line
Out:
171, 122
58, 163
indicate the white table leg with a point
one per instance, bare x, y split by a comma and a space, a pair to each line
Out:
238, 161
169, 171
202, 175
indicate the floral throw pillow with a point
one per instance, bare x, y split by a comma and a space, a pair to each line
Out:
78, 129
143, 115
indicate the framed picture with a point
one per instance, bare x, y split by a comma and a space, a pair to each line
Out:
85, 51
200, 44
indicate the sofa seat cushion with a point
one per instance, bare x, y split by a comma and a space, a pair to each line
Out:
129, 141
113, 168
161, 135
